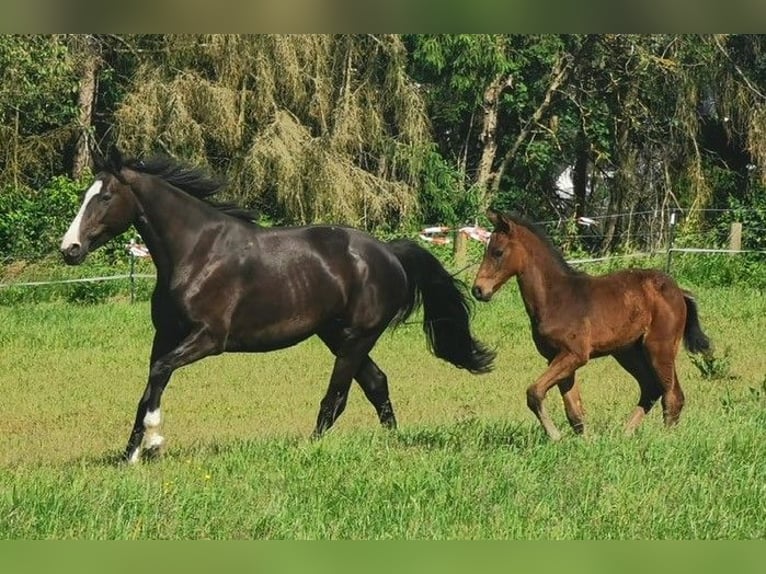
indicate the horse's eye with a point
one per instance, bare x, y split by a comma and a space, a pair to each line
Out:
105, 196
497, 252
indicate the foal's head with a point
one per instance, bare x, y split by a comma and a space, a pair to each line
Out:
108, 208
504, 257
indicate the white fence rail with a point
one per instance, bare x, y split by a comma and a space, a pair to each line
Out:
137, 251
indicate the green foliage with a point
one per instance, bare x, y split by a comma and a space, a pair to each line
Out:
443, 198
92, 292
32, 222
712, 367
720, 270
38, 81
750, 211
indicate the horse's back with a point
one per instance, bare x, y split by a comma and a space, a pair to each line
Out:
622, 307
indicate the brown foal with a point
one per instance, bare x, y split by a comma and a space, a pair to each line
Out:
639, 316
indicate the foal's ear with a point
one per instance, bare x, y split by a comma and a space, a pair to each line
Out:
500, 221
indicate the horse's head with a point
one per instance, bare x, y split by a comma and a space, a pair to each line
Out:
108, 208
503, 258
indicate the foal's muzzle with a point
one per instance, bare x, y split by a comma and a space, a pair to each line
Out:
481, 295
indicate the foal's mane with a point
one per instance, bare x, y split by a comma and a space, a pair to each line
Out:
195, 181
545, 239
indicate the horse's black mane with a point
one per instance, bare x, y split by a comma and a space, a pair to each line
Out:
541, 234
193, 180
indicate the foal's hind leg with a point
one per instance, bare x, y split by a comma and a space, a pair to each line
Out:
570, 393
662, 355
635, 361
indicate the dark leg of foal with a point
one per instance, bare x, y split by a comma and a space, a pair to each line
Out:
662, 355
635, 361
570, 393
350, 355
147, 423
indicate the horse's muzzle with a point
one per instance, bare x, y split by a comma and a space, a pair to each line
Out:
481, 295
73, 254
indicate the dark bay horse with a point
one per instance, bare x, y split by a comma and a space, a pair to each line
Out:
227, 284
639, 316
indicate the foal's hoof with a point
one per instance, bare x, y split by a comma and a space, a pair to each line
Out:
554, 435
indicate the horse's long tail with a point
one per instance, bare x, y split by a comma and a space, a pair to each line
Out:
694, 339
446, 308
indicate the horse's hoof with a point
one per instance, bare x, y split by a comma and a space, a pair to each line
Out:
153, 452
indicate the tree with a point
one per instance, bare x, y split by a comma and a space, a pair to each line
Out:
309, 128
37, 108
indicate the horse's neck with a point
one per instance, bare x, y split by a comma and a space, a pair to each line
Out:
541, 278
165, 215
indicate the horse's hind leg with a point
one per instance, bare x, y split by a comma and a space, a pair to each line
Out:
370, 377
374, 383
570, 393
350, 353
635, 361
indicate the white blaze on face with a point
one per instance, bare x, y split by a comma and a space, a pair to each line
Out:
72, 236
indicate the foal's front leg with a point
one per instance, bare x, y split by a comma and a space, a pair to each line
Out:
145, 433
561, 367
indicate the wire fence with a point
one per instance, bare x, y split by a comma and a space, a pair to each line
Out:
636, 234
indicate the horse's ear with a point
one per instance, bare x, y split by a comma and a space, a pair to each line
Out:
115, 159
99, 161
115, 164
500, 221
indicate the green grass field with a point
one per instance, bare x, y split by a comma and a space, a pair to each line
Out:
468, 461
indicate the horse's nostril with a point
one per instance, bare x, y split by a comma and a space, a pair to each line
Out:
476, 291
72, 251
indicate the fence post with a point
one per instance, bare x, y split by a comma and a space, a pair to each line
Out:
671, 238
735, 239
459, 250
132, 277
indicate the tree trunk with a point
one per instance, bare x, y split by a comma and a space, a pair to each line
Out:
88, 66
488, 138
580, 174
623, 183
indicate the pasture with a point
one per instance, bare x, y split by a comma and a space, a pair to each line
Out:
468, 461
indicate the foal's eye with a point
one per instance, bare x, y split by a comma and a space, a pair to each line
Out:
497, 252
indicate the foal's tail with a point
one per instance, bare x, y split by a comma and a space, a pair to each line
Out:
695, 340
446, 308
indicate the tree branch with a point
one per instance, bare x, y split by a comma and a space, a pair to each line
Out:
560, 73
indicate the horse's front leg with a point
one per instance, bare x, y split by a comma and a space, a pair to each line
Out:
561, 367
145, 434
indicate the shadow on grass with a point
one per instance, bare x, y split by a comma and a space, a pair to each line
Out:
463, 435
473, 435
